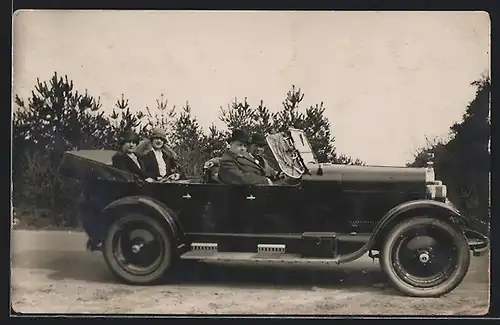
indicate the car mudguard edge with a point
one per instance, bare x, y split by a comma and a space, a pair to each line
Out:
399, 212
158, 207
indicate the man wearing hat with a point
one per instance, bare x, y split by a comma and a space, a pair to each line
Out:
158, 159
237, 166
126, 159
256, 150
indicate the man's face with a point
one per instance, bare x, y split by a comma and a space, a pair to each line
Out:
238, 146
129, 146
256, 149
157, 143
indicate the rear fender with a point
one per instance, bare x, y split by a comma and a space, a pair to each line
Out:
437, 209
154, 207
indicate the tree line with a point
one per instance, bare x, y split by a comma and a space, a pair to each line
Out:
57, 117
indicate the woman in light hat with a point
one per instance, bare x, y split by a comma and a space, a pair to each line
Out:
158, 159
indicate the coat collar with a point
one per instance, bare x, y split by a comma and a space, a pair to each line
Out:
243, 155
121, 153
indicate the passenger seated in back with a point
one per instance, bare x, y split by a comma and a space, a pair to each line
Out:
126, 159
157, 158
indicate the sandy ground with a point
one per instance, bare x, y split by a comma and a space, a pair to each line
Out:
52, 273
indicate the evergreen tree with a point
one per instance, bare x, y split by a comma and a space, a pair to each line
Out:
313, 122
315, 125
122, 119
238, 115
59, 118
56, 118
188, 142
164, 117
215, 142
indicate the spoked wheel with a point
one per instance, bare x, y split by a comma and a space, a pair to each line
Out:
138, 249
425, 257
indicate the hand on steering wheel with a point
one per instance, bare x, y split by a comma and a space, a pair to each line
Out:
281, 175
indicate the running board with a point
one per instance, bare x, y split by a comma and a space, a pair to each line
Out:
279, 238
261, 248
256, 258
308, 245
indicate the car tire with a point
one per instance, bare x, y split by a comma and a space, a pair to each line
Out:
440, 242
116, 252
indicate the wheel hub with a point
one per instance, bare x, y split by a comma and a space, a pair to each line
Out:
424, 257
136, 248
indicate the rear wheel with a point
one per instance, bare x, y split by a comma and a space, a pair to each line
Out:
138, 249
425, 257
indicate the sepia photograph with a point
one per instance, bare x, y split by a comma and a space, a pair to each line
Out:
250, 162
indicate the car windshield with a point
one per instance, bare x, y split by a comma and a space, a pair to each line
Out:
285, 154
302, 145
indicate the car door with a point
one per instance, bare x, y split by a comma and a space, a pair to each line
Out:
187, 200
264, 209
196, 211
233, 208
249, 203
280, 209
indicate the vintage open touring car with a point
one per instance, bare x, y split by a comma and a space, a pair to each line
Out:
326, 214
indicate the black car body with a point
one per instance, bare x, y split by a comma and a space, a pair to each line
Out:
326, 213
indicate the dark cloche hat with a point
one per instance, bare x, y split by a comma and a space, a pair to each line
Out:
258, 139
240, 135
127, 136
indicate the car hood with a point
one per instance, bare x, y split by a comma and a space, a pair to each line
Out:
354, 173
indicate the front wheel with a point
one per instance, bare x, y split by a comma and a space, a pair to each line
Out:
425, 257
138, 249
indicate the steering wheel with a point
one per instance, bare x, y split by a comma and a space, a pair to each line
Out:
294, 155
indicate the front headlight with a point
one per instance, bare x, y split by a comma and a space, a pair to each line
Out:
430, 176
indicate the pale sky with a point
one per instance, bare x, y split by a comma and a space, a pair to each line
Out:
387, 79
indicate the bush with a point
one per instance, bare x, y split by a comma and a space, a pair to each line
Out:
463, 162
42, 196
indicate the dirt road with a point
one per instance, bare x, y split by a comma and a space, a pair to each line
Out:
53, 273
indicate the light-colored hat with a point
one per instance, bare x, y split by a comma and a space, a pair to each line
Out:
159, 133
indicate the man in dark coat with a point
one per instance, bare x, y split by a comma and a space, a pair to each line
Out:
159, 162
126, 159
237, 166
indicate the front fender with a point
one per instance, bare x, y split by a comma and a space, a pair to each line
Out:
151, 205
443, 210
436, 208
